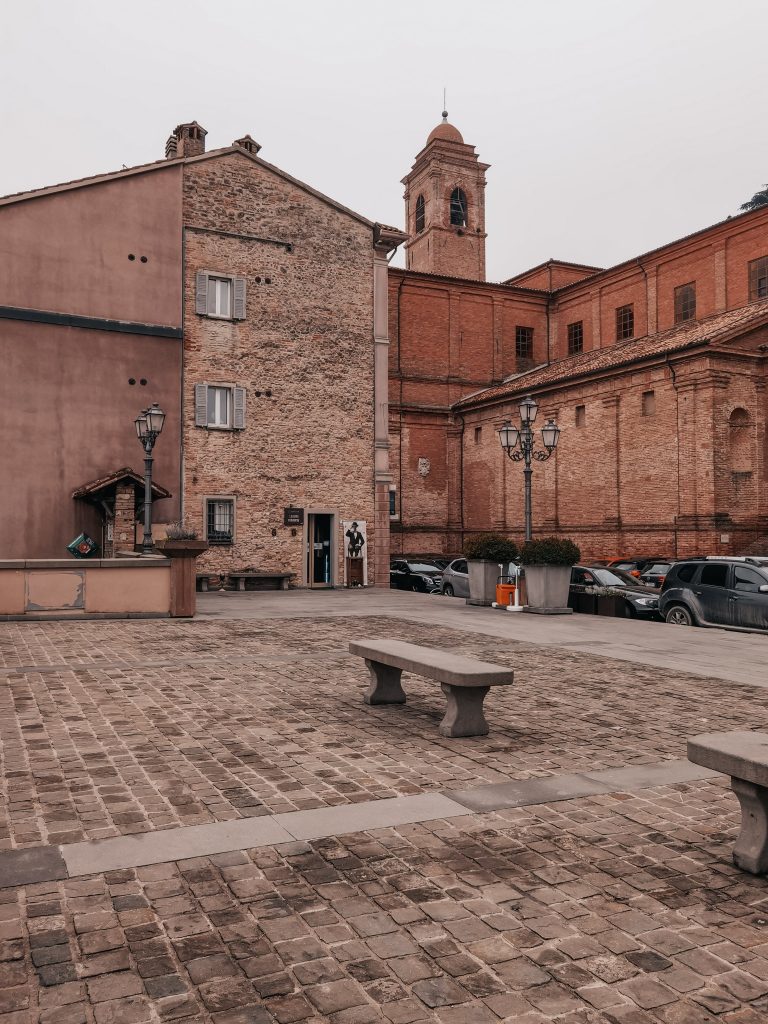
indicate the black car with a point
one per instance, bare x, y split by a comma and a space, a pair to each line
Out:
728, 592
421, 576
640, 601
655, 574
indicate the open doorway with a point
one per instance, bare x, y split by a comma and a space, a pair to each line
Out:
320, 549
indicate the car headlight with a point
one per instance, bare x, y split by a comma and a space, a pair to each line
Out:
646, 600
428, 579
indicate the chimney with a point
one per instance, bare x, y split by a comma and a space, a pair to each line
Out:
248, 144
186, 140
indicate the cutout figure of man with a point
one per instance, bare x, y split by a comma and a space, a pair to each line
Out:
355, 541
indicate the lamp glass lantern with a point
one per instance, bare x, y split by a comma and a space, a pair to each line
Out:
509, 435
141, 424
155, 418
550, 435
528, 410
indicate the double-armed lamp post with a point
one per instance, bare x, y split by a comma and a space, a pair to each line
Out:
149, 424
519, 443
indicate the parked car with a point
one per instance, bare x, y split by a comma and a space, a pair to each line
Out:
424, 577
655, 574
640, 601
456, 577
635, 566
720, 591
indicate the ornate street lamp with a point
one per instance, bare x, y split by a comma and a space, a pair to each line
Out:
149, 424
519, 445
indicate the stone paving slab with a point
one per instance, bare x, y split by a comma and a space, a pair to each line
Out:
337, 821
172, 844
35, 864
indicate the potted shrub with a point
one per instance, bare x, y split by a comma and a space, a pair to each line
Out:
548, 564
486, 554
610, 601
180, 538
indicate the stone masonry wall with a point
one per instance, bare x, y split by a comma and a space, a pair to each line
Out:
304, 353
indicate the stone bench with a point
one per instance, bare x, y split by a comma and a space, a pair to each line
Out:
743, 756
275, 580
203, 580
464, 681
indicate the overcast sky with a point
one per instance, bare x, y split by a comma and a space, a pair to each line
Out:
611, 127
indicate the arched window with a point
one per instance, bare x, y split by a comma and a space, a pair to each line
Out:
459, 208
420, 214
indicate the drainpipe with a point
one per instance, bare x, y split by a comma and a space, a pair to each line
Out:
673, 375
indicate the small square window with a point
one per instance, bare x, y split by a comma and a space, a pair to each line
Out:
758, 279
685, 302
648, 403
575, 337
524, 342
220, 297
478, 435
625, 322
220, 521
581, 415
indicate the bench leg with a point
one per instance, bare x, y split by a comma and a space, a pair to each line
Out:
464, 714
204, 585
751, 850
385, 685
241, 584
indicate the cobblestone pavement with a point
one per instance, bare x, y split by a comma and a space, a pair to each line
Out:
136, 726
622, 908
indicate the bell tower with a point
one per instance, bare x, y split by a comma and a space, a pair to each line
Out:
445, 207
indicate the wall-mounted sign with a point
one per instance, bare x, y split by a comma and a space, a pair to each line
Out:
293, 516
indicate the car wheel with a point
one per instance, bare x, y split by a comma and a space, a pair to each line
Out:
448, 590
678, 615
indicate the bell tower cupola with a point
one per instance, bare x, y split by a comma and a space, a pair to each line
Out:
445, 207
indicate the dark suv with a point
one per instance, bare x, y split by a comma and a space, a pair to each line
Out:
731, 593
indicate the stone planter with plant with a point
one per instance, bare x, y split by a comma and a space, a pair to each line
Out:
182, 546
547, 564
487, 556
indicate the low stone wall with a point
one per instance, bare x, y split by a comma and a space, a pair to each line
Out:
71, 588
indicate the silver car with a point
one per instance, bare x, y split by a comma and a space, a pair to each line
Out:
456, 577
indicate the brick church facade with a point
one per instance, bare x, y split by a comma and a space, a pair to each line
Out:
655, 370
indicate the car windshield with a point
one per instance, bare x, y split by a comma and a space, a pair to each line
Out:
624, 565
613, 577
422, 567
659, 567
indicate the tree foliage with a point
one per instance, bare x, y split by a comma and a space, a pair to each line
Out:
758, 199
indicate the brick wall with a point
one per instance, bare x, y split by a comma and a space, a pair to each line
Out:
304, 353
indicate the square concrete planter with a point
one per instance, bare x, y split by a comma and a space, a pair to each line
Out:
547, 587
483, 576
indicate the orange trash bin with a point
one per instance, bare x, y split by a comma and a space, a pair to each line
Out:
505, 591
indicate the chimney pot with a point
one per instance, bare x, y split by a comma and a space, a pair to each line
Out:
248, 144
187, 140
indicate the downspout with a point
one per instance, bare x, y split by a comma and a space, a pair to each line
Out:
673, 375
400, 415
181, 382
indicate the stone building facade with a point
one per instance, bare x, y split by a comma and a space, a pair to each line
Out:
655, 369
252, 308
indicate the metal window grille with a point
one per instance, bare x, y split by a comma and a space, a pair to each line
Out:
459, 208
220, 522
575, 337
524, 342
420, 213
685, 302
625, 322
393, 503
758, 279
